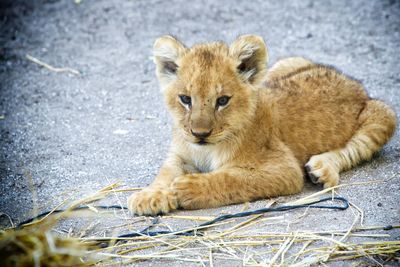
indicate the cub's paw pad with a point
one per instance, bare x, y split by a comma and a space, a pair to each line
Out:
320, 171
152, 202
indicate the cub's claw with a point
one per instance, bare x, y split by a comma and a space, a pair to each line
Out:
152, 201
310, 175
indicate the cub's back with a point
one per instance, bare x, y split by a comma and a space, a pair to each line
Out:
318, 108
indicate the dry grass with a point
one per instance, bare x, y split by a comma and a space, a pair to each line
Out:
235, 240
38, 247
35, 244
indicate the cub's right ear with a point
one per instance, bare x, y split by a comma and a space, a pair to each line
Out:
167, 51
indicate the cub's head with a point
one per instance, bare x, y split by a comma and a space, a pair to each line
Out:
211, 89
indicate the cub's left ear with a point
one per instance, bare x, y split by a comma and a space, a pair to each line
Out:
251, 54
167, 52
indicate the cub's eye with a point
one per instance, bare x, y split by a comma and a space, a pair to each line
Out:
223, 100
186, 100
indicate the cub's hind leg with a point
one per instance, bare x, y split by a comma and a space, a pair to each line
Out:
377, 125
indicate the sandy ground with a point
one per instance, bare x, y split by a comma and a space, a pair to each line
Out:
64, 135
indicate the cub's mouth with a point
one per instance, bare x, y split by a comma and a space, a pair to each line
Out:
202, 142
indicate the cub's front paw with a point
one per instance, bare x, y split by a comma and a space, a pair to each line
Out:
192, 191
152, 201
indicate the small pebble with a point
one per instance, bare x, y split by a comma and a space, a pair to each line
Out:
120, 131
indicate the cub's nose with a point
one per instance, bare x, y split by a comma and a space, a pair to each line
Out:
201, 133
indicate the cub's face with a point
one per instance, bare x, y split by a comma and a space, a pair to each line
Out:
210, 89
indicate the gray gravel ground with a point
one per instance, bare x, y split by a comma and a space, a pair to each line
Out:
66, 135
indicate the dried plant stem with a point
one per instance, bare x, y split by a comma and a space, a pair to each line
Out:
51, 68
194, 218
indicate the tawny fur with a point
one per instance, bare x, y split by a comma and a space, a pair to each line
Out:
298, 114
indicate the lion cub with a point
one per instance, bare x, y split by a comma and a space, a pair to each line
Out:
241, 133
